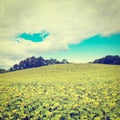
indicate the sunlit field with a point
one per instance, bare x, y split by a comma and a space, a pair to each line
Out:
61, 92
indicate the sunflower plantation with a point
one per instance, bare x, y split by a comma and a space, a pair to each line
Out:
61, 92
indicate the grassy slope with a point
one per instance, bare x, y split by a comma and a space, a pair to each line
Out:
60, 72
89, 86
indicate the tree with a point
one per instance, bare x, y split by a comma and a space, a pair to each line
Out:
109, 59
64, 61
3, 71
35, 62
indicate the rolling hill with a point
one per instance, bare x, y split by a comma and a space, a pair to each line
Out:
61, 92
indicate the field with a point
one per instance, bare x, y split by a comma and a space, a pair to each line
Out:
61, 92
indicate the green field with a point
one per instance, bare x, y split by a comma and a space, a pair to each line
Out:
61, 92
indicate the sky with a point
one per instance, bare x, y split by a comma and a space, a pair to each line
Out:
78, 30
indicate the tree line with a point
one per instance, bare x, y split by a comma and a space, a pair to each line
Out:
36, 62
109, 59
40, 61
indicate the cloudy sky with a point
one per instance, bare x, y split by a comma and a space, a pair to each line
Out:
78, 30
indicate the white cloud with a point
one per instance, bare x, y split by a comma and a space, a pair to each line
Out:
68, 22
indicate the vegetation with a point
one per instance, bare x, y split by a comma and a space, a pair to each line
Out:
61, 92
114, 60
36, 62
3, 71
40, 61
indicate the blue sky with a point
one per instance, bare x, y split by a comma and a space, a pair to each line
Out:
97, 46
90, 49
36, 37
78, 30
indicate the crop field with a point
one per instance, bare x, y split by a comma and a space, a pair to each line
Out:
61, 92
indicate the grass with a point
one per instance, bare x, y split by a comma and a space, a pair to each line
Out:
61, 92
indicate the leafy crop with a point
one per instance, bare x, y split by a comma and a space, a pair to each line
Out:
61, 92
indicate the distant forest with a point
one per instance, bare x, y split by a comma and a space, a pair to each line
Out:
40, 61
33, 62
36, 62
109, 59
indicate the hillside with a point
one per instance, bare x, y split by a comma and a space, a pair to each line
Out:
60, 92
